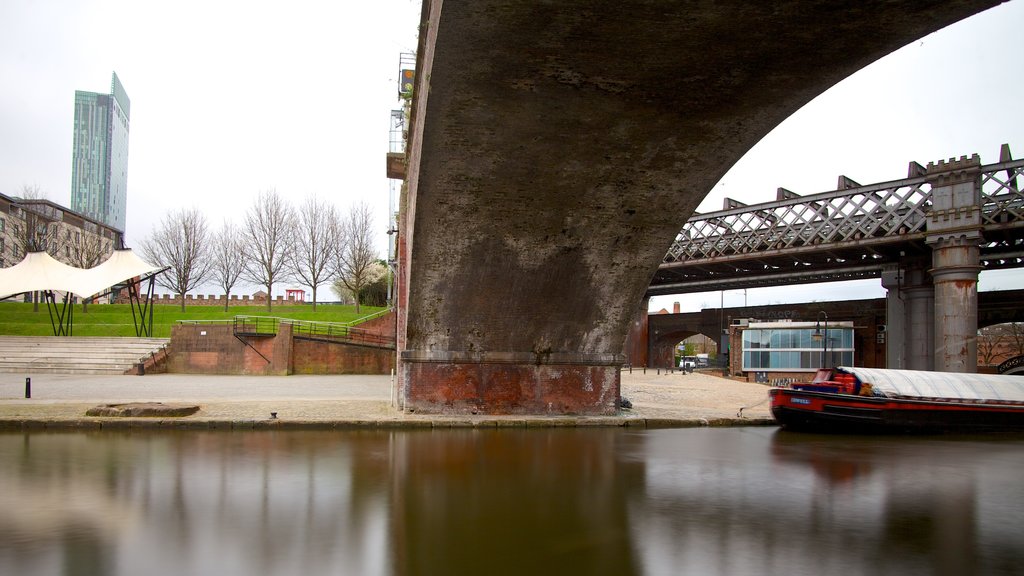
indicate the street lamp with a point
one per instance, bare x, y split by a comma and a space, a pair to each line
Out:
823, 337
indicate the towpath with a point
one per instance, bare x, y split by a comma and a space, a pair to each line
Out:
60, 401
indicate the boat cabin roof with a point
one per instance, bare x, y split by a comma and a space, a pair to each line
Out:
946, 385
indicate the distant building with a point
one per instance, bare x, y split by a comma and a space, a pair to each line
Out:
28, 225
99, 170
787, 348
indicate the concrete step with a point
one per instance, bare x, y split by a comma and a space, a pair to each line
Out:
34, 369
75, 355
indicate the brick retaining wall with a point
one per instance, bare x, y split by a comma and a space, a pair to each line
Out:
213, 349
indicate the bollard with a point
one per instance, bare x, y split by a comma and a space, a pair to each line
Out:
28, 387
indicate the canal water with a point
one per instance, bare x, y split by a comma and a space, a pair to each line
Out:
526, 501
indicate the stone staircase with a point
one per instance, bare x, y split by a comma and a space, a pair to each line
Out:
30, 355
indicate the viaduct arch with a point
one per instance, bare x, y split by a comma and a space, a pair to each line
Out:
556, 149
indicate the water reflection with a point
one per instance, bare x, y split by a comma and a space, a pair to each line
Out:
602, 501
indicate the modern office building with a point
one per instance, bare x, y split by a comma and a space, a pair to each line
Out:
795, 346
99, 173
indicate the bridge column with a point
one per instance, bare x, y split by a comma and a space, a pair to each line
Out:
895, 318
954, 227
920, 319
910, 316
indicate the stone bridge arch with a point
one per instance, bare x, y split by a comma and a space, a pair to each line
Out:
555, 151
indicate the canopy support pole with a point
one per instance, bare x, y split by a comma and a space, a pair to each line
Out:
144, 319
63, 322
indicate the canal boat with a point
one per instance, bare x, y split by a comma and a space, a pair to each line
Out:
873, 400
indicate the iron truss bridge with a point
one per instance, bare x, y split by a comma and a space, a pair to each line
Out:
847, 234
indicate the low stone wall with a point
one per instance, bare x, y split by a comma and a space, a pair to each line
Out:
212, 300
213, 349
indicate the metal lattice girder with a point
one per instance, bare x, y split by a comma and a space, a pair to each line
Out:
830, 232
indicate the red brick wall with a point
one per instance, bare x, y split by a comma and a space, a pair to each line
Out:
213, 349
314, 357
382, 325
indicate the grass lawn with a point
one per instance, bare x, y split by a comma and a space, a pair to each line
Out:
17, 318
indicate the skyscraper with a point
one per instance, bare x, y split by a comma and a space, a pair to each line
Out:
99, 172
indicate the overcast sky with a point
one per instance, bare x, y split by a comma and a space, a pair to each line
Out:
228, 98
231, 98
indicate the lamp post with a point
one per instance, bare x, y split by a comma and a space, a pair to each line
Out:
819, 335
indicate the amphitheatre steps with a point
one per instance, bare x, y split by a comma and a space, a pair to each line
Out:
76, 354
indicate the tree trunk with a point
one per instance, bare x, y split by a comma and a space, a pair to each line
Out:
35, 301
314, 298
227, 298
270, 298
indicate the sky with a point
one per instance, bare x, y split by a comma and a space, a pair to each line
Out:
230, 98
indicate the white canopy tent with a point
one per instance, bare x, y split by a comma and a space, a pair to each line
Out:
40, 272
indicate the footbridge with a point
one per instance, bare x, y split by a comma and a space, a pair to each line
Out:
555, 151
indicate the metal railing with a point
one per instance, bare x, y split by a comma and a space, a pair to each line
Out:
337, 332
256, 325
331, 331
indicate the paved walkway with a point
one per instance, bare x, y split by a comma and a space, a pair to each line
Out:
60, 401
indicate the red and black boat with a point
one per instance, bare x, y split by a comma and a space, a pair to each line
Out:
874, 400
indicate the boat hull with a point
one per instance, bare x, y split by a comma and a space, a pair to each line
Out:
847, 413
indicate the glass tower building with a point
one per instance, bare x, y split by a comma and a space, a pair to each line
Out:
99, 171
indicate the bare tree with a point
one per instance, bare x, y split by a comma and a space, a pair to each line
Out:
316, 239
992, 341
1015, 337
38, 231
269, 227
181, 242
86, 250
356, 255
226, 259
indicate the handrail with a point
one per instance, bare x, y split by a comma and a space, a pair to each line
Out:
334, 331
369, 317
262, 325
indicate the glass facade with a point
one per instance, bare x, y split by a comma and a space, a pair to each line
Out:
796, 349
99, 170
